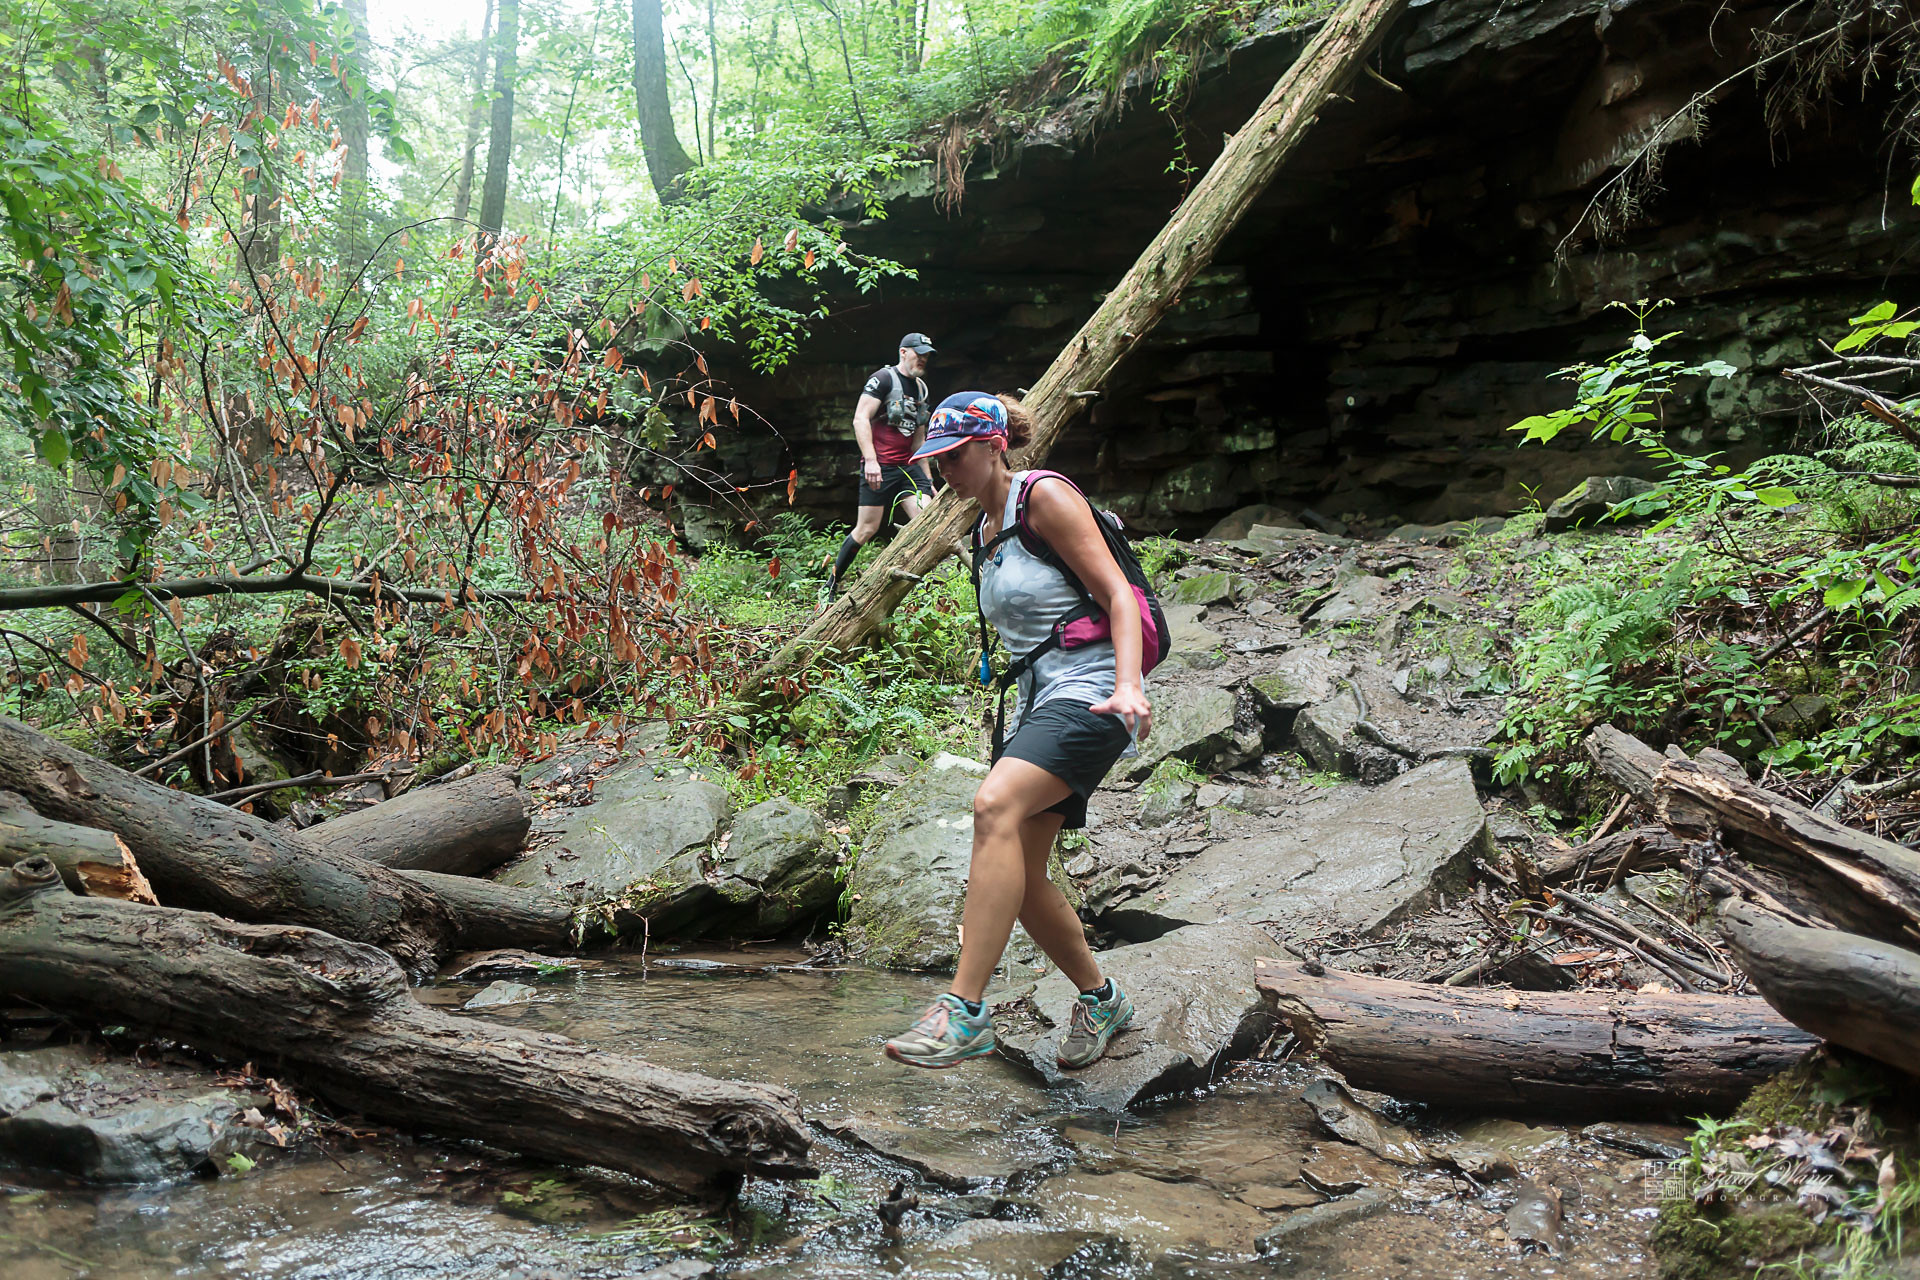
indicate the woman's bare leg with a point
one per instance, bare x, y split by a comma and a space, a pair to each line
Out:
1014, 792
1049, 918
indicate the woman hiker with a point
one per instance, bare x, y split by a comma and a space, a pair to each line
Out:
1080, 709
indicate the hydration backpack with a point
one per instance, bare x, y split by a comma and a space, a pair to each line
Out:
906, 415
1083, 625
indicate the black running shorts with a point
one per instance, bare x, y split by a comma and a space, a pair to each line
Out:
896, 482
1074, 745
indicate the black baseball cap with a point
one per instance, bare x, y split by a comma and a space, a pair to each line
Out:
919, 342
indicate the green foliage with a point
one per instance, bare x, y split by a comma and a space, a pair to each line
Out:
1595, 620
1621, 402
1629, 630
1158, 556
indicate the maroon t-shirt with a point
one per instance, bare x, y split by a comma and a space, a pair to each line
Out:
894, 429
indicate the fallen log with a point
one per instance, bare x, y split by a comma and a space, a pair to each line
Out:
1181, 250
1625, 761
1858, 992
488, 915
1641, 849
91, 861
207, 857
337, 1017
464, 828
1562, 1053
1820, 868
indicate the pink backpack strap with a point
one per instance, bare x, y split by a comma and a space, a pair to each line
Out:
1030, 536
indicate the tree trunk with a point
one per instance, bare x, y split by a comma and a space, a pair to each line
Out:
1855, 991
464, 828
476, 115
356, 131
91, 861
1609, 1054
207, 857
713, 93
1625, 761
337, 1017
1819, 867
1641, 849
1182, 249
506, 68
666, 159
488, 915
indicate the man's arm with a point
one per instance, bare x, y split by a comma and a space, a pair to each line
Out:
863, 433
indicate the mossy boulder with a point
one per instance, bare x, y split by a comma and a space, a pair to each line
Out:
775, 872
1190, 723
640, 839
1212, 587
1693, 1243
908, 882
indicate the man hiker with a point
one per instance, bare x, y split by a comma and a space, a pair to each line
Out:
890, 422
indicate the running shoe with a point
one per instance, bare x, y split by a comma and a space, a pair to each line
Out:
1093, 1024
945, 1034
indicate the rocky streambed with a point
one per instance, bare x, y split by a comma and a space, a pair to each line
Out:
1010, 1177
1310, 786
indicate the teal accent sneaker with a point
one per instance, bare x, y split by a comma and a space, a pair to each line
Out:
1093, 1024
945, 1034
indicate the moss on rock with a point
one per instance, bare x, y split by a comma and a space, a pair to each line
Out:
1692, 1243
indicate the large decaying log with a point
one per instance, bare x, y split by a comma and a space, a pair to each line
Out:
337, 1017
1182, 250
1821, 868
1855, 991
463, 828
91, 861
206, 857
488, 915
1554, 1053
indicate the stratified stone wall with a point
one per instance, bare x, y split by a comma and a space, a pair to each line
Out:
1406, 290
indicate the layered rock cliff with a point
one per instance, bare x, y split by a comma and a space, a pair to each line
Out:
1405, 290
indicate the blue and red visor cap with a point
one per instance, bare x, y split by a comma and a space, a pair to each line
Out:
963, 416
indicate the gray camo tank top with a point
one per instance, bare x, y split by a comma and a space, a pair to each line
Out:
1023, 596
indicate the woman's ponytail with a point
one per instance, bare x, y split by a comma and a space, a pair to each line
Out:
1019, 423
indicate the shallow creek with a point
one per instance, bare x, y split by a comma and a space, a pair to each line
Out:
1032, 1188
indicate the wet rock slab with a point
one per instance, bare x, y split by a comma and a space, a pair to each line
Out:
987, 1249
957, 1158
978, 1249
1195, 1010
111, 1121
1154, 1216
1358, 860
1303, 1225
1251, 1159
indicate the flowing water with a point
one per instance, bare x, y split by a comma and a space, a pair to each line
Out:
1012, 1182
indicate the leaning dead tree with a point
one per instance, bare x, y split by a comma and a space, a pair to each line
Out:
1182, 250
337, 1017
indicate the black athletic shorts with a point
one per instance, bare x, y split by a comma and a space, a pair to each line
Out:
896, 482
1074, 745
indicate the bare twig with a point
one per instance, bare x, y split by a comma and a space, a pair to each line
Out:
317, 778
225, 728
